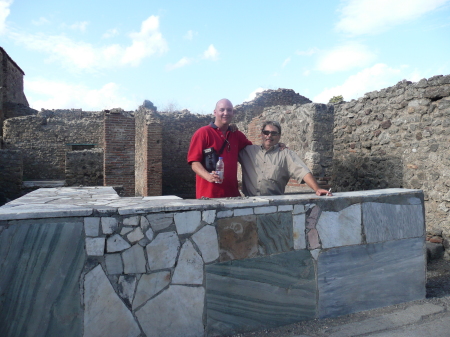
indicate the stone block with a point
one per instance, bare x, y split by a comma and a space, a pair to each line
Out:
225, 214
109, 225
135, 235
298, 224
209, 216
275, 233
134, 260
91, 226
207, 241
243, 211
115, 243
113, 264
384, 222
149, 285
265, 210
126, 286
105, 314
340, 228
189, 269
95, 246
285, 208
261, 292
163, 250
187, 222
350, 278
131, 221
160, 221
177, 311
238, 237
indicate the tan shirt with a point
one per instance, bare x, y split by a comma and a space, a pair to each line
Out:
268, 172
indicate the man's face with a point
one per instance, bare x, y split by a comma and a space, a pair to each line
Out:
223, 112
270, 140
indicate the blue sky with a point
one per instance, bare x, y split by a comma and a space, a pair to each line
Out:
101, 54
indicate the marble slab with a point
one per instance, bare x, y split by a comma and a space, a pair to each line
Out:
266, 292
384, 222
364, 277
275, 233
41, 263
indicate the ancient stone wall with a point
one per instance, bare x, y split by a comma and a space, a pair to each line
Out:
45, 138
398, 137
148, 162
246, 111
177, 131
306, 129
11, 171
84, 168
119, 146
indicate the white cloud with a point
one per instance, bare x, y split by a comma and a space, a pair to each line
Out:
345, 57
374, 78
145, 43
110, 33
40, 22
81, 26
82, 55
286, 62
61, 95
211, 53
4, 13
181, 63
374, 16
308, 52
190, 35
252, 95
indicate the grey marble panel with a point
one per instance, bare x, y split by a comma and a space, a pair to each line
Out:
384, 222
363, 277
244, 295
275, 232
41, 262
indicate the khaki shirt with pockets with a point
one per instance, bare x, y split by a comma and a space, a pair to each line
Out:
268, 172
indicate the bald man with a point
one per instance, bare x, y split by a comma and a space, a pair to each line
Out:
215, 135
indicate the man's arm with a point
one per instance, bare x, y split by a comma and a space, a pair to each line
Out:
198, 168
311, 182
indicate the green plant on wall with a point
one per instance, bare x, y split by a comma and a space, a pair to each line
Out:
336, 99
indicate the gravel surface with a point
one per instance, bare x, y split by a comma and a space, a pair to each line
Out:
438, 290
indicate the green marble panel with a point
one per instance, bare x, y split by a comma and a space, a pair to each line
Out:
41, 262
245, 295
275, 233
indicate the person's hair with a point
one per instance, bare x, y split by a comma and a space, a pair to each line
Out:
271, 123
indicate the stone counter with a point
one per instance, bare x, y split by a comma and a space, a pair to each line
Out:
85, 262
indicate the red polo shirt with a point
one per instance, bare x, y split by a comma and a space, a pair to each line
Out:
211, 136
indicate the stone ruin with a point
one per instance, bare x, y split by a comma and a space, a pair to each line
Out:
395, 137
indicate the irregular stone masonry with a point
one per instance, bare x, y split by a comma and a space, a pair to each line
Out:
398, 137
84, 168
162, 266
11, 164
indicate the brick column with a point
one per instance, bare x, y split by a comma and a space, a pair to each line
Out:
119, 158
148, 153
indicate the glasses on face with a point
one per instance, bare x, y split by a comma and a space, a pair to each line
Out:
272, 133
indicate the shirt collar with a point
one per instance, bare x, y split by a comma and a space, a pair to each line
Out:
214, 126
275, 147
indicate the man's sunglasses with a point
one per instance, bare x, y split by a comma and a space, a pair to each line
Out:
273, 133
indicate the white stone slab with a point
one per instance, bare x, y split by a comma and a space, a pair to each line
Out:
177, 311
209, 216
342, 228
299, 209
189, 269
208, 243
243, 211
37, 211
144, 224
131, 221
115, 243
187, 222
149, 234
113, 264
91, 226
285, 208
109, 225
298, 223
95, 246
244, 202
225, 214
265, 210
160, 221
134, 260
105, 314
149, 285
135, 235
125, 230
163, 250
127, 285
